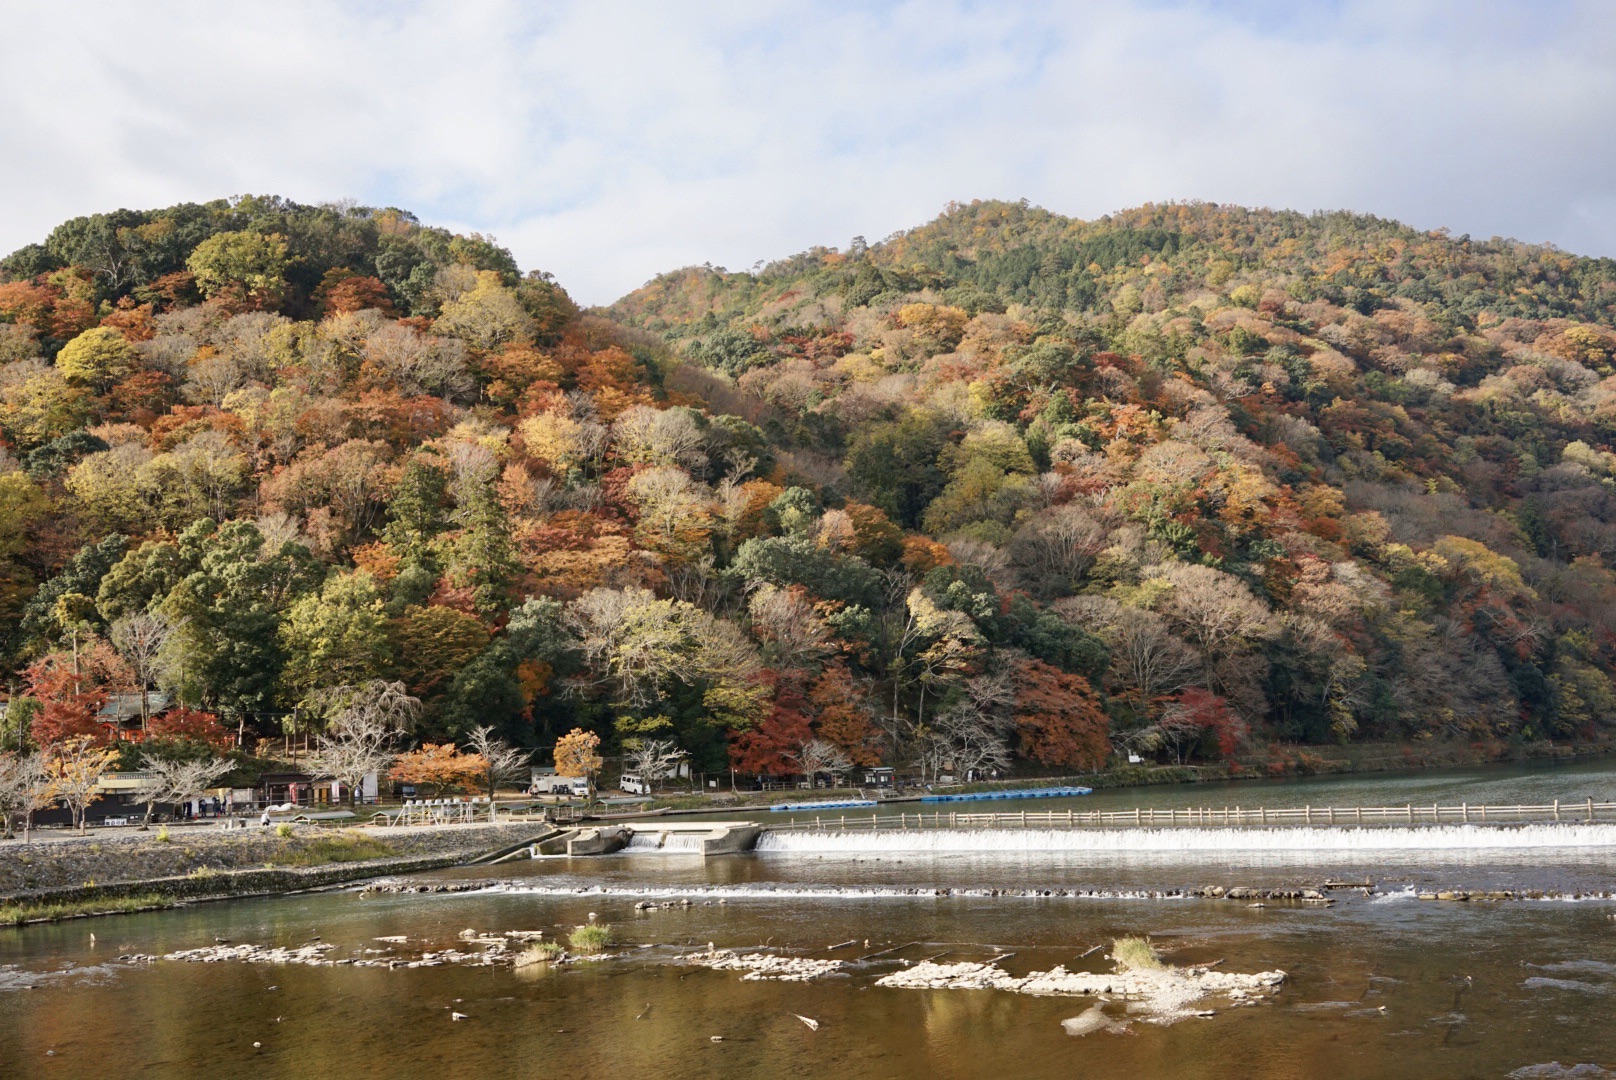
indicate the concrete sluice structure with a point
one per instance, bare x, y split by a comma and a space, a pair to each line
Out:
656, 837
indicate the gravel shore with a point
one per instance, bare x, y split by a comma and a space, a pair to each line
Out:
129, 856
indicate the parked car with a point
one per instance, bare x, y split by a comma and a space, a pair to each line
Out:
632, 784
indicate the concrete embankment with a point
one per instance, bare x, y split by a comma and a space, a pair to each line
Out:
196, 864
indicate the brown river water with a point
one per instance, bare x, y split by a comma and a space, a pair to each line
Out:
1380, 984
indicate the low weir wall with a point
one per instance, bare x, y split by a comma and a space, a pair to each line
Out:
1120, 844
1318, 829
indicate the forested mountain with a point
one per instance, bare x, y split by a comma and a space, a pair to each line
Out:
1192, 480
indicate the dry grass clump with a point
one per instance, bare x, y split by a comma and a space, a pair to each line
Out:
1135, 954
540, 952
340, 848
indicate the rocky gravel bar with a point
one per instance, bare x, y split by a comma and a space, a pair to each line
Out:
1162, 995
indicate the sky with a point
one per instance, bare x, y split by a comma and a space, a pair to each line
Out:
607, 142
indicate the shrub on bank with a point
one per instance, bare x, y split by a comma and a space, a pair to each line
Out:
1135, 954
590, 939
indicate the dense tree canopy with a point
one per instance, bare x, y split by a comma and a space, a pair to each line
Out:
1193, 481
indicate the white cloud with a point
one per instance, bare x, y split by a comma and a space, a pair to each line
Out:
609, 142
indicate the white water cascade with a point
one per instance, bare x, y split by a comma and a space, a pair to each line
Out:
1123, 843
667, 843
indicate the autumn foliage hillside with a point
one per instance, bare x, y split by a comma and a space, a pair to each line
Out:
1334, 477
1191, 481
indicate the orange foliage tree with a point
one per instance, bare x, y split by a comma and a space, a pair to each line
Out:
1058, 717
844, 721
439, 766
342, 291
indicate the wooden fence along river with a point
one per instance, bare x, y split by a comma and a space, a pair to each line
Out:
1219, 817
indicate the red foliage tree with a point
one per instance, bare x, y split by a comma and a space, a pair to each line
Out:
142, 397
70, 702
1058, 717
193, 724
767, 748
1201, 708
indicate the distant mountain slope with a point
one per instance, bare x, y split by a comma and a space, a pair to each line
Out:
1021, 254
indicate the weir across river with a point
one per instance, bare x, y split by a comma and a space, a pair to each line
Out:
1587, 824
1587, 812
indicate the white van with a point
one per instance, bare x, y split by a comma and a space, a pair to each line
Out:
546, 782
577, 786
632, 784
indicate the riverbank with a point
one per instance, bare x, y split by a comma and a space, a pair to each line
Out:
1379, 984
71, 876
1280, 763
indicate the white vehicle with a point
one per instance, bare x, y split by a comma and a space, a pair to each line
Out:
547, 782
633, 785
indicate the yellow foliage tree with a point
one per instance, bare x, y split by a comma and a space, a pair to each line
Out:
96, 358
75, 766
577, 753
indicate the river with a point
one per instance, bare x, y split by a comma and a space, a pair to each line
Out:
1380, 983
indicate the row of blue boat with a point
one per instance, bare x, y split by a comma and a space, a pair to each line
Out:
1026, 793
974, 796
841, 805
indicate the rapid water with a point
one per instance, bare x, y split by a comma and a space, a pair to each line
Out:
669, 843
1381, 983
